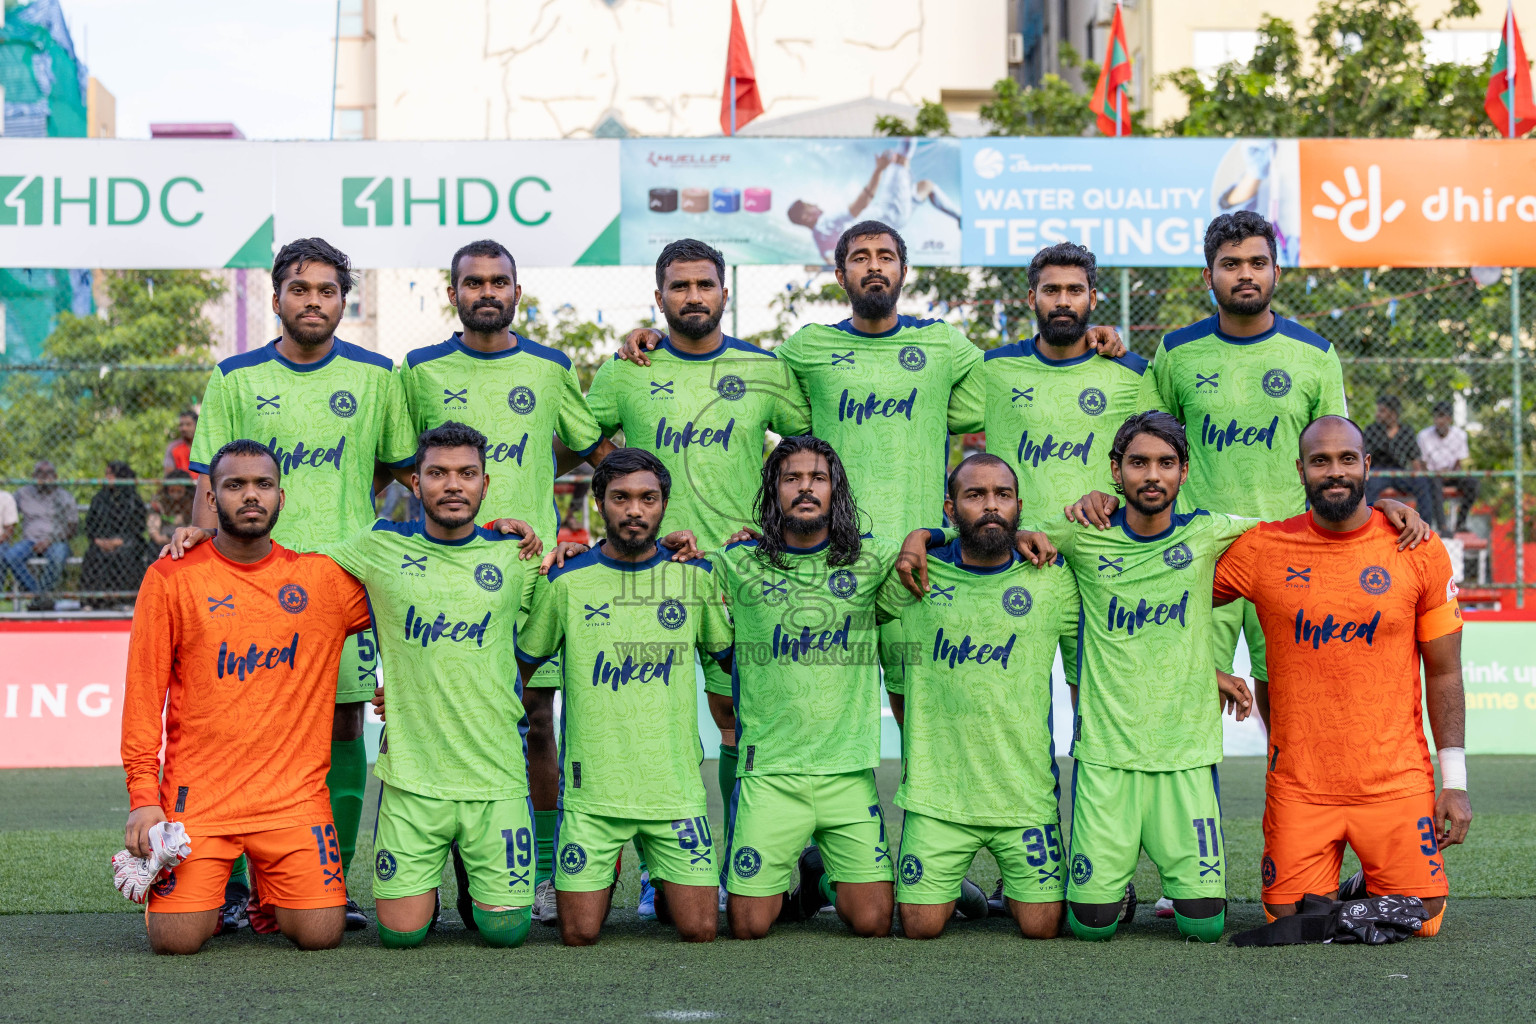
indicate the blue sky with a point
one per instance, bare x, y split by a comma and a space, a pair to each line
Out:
265, 66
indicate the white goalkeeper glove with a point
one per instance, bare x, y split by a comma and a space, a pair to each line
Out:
168, 846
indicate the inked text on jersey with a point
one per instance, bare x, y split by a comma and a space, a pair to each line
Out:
424, 631
1222, 438
1032, 453
1330, 629
255, 659
1124, 617
691, 436
303, 455
862, 409
605, 672
946, 650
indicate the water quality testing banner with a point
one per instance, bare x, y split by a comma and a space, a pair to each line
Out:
1134, 202
788, 200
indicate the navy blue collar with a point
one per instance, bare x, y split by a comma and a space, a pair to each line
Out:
1034, 348
722, 348
1179, 519
847, 327
1252, 339
953, 555
457, 341
790, 549
661, 555
335, 351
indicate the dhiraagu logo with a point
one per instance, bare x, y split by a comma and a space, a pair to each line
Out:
26, 199
374, 202
1359, 214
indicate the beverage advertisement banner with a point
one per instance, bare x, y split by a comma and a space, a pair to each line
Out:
788, 200
1418, 203
411, 204
111, 203
1134, 202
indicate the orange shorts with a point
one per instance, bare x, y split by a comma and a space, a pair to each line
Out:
1394, 839
297, 868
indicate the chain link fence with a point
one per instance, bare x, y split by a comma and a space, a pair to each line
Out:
111, 388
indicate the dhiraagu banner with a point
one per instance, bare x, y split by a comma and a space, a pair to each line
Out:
119, 203
1134, 202
411, 204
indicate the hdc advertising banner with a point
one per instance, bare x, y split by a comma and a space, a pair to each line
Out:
788, 200
1134, 202
411, 204
111, 203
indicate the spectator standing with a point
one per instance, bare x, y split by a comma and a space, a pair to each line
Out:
178, 454
1392, 446
1445, 452
171, 508
49, 517
115, 525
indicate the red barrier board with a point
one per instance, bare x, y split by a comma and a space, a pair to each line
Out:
61, 693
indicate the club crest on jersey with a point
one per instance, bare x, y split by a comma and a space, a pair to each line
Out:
912, 358
747, 862
731, 387
572, 859
1375, 580
842, 583
1277, 383
911, 870
488, 576
1178, 557
1082, 869
521, 401
671, 613
1092, 401
1017, 602
344, 404
384, 865
165, 886
1268, 870
293, 599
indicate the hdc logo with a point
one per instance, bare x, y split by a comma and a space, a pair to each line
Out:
371, 202
24, 200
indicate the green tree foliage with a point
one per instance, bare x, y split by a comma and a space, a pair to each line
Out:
1054, 107
89, 410
932, 119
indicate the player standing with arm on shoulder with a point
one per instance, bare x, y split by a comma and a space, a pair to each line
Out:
330, 411
519, 394
1348, 616
238, 643
629, 619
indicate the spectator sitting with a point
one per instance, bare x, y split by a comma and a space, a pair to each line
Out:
1444, 450
171, 508
178, 454
115, 524
49, 518
571, 531
1390, 445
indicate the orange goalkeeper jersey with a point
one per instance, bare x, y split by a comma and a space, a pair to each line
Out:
1343, 614
242, 659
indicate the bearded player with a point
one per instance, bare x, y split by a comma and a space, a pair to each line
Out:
1347, 619
234, 645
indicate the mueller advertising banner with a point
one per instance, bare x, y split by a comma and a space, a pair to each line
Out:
984, 202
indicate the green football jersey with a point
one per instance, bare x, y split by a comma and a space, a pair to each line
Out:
445, 613
630, 729
976, 740
704, 417
1243, 403
1147, 698
883, 402
327, 422
1054, 420
518, 399
807, 675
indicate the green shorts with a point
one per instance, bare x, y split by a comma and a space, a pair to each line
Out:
495, 839
1228, 620
935, 855
358, 673
774, 816
1174, 816
587, 846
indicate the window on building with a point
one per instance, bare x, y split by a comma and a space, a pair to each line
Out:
1459, 46
1212, 49
351, 124
350, 19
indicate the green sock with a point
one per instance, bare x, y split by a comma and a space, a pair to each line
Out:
391, 939
240, 873
1087, 934
505, 929
544, 845
828, 889
727, 774
348, 779
1206, 929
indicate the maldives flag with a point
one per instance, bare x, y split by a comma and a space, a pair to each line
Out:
1508, 88
1111, 103
738, 65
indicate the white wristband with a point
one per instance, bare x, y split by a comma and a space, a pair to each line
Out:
1453, 768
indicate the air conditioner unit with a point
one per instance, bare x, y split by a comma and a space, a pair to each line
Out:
1015, 47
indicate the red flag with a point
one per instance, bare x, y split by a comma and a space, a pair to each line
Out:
1111, 102
738, 65
1508, 91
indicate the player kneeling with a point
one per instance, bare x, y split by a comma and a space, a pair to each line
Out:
629, 619
245, 637
980, 765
